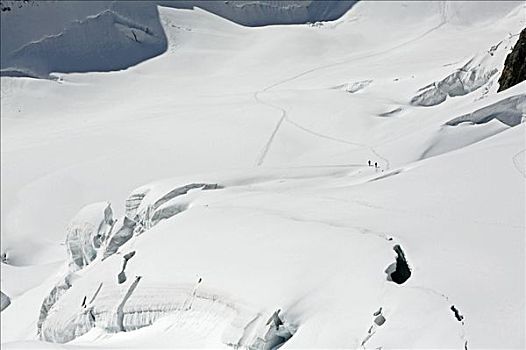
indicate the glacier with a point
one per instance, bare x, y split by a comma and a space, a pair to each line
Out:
238, 181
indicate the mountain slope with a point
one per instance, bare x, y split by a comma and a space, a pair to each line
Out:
263, 136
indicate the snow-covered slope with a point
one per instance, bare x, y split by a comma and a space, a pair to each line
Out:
120, 35
236, 168
41, 37
267, 12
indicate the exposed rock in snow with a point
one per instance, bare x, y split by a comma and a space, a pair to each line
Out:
5, 301
515, 65
85, 233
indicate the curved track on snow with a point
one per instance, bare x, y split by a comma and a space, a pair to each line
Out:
284, 115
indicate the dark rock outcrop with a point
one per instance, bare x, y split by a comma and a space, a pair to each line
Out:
514, 70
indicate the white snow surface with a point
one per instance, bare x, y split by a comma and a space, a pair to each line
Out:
41, 37
281, 120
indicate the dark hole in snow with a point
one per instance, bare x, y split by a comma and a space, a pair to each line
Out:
379, 320
378, 312
277, 334
121, 278
123, 235
120, 308
390, 113
399, 271
457, 314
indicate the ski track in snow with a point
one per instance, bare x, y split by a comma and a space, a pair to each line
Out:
433, 217
210, 309
319, 221
283, 112
283, 117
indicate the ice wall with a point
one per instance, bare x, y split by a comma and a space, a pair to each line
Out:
70, 36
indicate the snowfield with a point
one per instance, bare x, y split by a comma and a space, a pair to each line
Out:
181, 202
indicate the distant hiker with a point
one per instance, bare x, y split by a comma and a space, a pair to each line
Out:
369, 161
84, 302
375, 164
275, 319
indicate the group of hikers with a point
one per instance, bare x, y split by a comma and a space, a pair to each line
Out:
370, 163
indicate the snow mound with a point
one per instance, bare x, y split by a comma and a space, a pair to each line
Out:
86, 232
510, 111
450, 138
355, 86
151, 210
